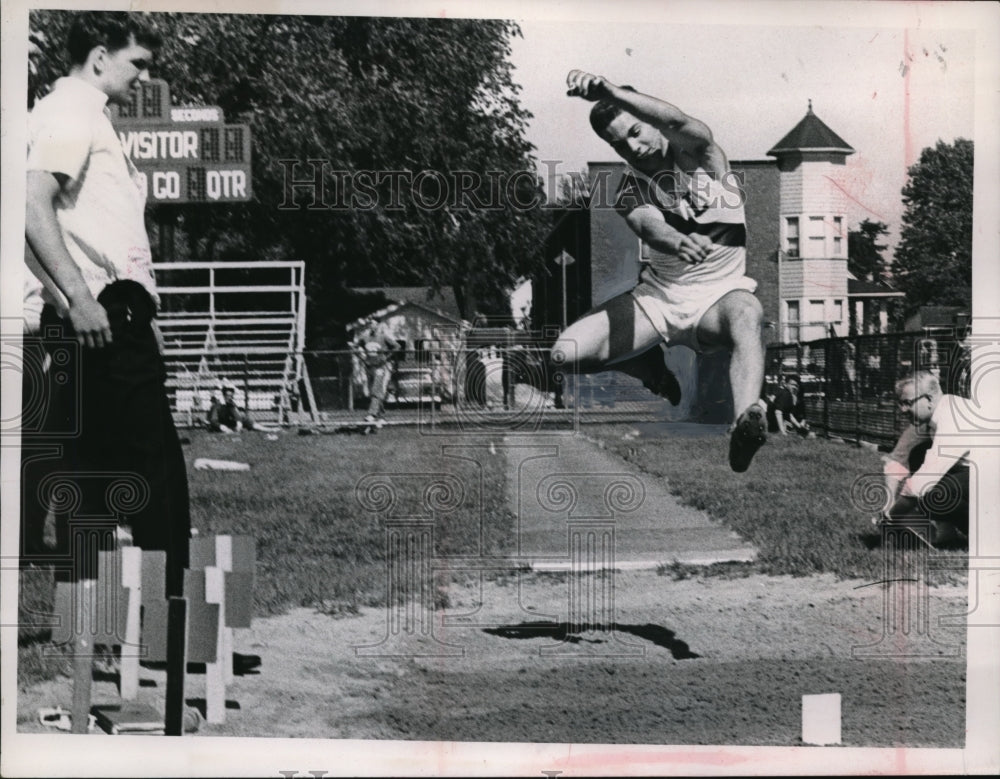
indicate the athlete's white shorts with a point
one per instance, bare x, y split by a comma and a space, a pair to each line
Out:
675, 310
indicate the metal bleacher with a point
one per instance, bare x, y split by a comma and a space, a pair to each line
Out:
234, 322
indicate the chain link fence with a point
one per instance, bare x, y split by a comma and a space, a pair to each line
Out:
847, 385
483, 378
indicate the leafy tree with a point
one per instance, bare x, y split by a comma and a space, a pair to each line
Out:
367, 97
864, 251
933, 262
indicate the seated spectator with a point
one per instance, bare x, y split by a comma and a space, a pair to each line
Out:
924, 484
788, 409
799, 407
227, 417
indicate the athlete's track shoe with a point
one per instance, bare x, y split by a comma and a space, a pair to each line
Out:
664, 384
747, 437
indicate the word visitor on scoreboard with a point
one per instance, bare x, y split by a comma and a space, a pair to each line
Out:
160, 144
200, 163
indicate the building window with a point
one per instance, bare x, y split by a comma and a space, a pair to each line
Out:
838, 311
792, 236
793, 320
817, 312
817, 236
838, 236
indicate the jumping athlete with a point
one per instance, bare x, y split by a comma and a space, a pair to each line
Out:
680, 198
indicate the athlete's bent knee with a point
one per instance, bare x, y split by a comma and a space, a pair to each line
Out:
746, 315
579, 355
562, 352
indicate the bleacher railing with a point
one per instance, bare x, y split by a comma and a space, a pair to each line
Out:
239, 323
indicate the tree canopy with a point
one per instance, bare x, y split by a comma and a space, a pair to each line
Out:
864, 251
933, 262
414, 125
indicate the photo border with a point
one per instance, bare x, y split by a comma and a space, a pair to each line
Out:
28, 754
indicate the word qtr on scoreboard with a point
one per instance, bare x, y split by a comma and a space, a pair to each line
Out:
184, 154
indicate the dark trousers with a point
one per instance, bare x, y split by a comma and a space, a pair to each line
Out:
947, 502
39, 455
122, 461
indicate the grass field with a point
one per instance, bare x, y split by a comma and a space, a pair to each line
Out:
318, 546
798, 503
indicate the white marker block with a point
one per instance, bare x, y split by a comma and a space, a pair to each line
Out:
224, 552
224, 561
132, 581
821, 719
215, 673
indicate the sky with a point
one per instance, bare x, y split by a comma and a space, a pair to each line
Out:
752, 84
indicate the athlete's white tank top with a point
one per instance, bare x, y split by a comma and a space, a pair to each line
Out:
696, 202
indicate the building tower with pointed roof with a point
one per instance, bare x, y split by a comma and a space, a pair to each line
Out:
813, 253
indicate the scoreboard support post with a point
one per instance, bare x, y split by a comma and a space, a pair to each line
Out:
166, 224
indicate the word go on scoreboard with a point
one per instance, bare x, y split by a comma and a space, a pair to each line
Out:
186, 154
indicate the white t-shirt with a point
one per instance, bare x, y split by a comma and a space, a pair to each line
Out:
100, 210
944, 427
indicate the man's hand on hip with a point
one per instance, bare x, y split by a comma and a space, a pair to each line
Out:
90, 321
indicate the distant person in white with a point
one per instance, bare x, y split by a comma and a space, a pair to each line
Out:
377, 347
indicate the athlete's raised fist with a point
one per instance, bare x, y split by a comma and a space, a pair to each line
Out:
586, 85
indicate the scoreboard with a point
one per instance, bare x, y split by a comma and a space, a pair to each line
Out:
186, 154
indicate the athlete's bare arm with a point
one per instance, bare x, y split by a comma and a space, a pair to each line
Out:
648, 223
88, 317
691, 138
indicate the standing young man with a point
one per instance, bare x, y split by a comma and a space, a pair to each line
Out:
378, 351
678, 198
84, 223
